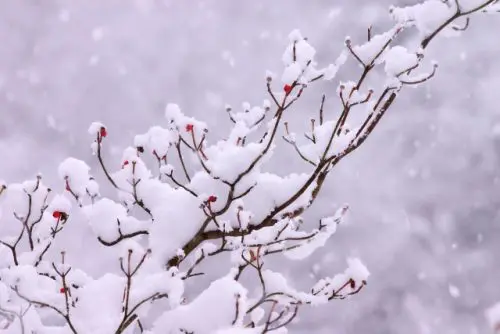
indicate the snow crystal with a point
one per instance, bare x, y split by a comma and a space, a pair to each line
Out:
64, 15
51, 122
97, 34
454, 291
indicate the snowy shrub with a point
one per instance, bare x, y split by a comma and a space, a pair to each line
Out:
74, 261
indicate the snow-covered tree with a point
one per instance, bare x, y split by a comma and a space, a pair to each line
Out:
74, 261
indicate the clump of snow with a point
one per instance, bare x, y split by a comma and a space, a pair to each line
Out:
277, 282
167, 169
345, 283
357, 270
227, 160
398, 59
494, 8
95, 128
331, 71
102, 298
157, 140
426, 16
304, 53
178, 121
270, 75
493, 316
107, 217
93, 188
257, 315
249, 117
76, 173
177, 220
224, 292
291, 73
60, 203
295, 36
370, 51
314, 151
328, 226
271, 188
298, 59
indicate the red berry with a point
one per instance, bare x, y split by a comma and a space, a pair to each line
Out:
103, 132
62, 290
56, 214
125, 163
189, 127
212, 198
287, 89
252, 256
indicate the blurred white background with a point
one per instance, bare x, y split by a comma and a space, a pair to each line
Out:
424, 189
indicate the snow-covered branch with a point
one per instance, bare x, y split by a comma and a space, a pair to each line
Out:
182, 201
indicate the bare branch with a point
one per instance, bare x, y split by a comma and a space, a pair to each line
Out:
101, 161
121, 236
